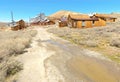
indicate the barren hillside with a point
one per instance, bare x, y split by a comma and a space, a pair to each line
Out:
3, 24
117, 15
62, 13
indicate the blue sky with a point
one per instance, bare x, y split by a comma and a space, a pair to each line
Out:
23, 9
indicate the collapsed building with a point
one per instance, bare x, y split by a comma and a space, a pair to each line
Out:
41, 19
18, 25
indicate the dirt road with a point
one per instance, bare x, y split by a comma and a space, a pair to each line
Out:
51, 59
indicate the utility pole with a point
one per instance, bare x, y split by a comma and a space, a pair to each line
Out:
12, 19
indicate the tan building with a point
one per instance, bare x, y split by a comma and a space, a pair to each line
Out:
83, 21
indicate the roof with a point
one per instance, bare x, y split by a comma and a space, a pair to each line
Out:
82, 18
104, 16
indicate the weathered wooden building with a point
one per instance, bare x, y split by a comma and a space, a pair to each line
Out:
43, 23
82, 21
42, 20
99, 22
63, 21
106, 17
19, 25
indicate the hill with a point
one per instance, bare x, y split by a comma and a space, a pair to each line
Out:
62, 13
117, 15
3, 24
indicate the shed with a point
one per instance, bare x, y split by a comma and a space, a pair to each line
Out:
19, 25
63, 21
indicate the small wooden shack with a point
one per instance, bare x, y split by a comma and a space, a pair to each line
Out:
19, 25
63, 21
81, 21
105, 17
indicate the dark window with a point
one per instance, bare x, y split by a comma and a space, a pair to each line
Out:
93, 22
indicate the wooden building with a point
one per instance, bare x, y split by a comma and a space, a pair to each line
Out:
43, 23
105, 17
19, 25
82, 21
42, 20
48, 22
99, 22
63, 21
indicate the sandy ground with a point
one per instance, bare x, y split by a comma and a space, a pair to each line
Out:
52, 59
33, 60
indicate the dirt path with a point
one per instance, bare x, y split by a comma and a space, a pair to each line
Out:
51, 59
33, 60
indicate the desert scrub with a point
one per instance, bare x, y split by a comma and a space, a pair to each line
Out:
14, 68
102, 39
91, 37
9, 67
115, 42
115, 57
12, 44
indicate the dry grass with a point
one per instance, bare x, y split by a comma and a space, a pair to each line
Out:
106, 39
13, 43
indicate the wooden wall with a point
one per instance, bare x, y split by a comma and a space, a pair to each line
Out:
79, 24
62, 24
88, 24
100, 22
74, 23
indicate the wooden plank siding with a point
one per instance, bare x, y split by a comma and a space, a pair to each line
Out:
81, 21
79, 24
89, 24
101, 22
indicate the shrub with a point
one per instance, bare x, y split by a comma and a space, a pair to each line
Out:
14, 68
90, 36
115, 42
13, 43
